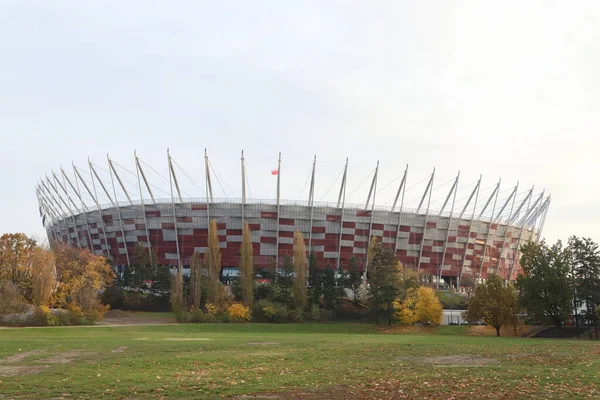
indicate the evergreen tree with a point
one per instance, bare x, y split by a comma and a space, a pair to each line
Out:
139, 270
196, 281
177, 298
315, 280
545, 286
585, 259
354, 278
247, 267
493, 303
282, 290
300, 272
385, 283
212, 260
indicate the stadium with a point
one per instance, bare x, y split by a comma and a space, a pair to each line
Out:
101, 209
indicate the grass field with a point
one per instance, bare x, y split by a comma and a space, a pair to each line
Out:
324, 361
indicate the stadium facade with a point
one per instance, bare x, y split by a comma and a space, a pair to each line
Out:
480, 237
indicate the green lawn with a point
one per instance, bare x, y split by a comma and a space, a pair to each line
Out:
325, 361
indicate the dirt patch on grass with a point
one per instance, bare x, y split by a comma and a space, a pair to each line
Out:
119, 349
461, 360
66, 357
6, 371
20, 356
263, 344
185, 339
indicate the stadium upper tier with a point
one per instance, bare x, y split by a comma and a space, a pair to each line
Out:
480, 236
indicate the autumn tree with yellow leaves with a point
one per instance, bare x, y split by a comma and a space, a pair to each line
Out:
420, 305
300, 272
212, 260
247, 267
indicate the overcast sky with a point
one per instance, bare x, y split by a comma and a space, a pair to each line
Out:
502, 89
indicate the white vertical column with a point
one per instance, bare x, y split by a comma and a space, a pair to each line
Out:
342, 202
518, 249
487, 238
514, 196
112, 181
374, 191
464, 258
278, 210
137, 173
68, 205
95, 198
430, 188
243, 189
171, 179
209, 192
401, 188
455, 189
311, 203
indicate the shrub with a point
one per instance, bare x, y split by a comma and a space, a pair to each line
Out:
10, 298
315, 312
211, 309
114, 296
267, 311
238, 312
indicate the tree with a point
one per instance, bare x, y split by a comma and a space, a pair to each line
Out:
384, 281
81, 276
420, 305
140, 270
42, 277
177, 298
283, 288
354, 278
315, 280
16, 263
196, 281
212, 259
300, 271
468, 283
545, 286
247, 267
332, 289
493, 303
585, 262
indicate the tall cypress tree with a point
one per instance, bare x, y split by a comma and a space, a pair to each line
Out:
196, 280
212, 259
247, 267
300, 271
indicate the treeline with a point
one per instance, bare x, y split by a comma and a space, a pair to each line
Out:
559, 284
301, 289
50, 286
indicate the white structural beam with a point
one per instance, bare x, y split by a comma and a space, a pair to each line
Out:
137, 173
513, 193
487, 237
95, 199
506, 231
487, 203
543, 220
62, 210
141, 172
512, 217
171, 179
402, 188
454, 189
516, 252
114, 171
464, 258
342, 198
475, 190
530, 210
311, 202
430, 187
84, 208
425, 192
209, 192
68, 205
112, 181
243, 188
174, 176
278, 209
374, 191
